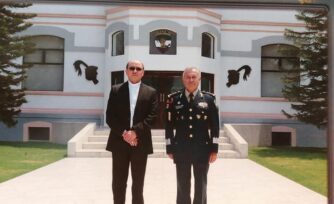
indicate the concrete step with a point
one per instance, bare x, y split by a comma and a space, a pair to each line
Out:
94, 145
156, 145
228, 154
155, 132
102, 132
226, 146
104, 138
105, 131
224, 139
93, 153
98, 138
158, 139
104, 153
106, 134
158, 153
159, 145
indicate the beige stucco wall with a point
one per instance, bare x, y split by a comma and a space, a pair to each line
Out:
63, 131
255, 134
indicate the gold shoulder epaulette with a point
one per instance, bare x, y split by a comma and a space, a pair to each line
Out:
173, 94
209, 93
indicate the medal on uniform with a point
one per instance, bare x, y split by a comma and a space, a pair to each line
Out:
203, 104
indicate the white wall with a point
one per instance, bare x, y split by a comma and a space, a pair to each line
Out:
239, 29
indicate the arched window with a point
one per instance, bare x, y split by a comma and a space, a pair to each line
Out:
117, 43
208, 45
47, 71
274, 65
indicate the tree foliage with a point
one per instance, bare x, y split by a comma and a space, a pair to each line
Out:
309, 96
12, 46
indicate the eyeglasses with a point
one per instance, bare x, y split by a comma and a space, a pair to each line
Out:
138, 69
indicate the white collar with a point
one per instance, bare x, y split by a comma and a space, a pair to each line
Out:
134, 85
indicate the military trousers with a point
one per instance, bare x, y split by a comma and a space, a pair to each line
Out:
183, 176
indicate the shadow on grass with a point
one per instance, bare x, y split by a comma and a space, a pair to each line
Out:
39, 145
291, 152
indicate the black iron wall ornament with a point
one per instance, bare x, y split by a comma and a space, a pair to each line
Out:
234, 75
90, 71
163, 41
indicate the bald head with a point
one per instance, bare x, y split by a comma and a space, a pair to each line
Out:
135, 62
134, 71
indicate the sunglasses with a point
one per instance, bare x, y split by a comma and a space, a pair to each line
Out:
138, 69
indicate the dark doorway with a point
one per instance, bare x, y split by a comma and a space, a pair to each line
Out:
281, 138
165, 82
117, 77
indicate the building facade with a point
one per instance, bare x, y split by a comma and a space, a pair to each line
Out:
82, 51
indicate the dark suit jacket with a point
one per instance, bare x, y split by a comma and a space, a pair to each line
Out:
118, 117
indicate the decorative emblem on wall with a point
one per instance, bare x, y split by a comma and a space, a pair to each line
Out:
162, 41
234, 75
90, 71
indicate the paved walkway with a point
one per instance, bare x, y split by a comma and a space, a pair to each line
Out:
88, 181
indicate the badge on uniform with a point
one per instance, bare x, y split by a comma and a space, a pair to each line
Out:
203, 105
177, 107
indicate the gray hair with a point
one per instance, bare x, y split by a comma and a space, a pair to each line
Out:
191, 69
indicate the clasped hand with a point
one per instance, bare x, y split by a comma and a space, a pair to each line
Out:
130, 137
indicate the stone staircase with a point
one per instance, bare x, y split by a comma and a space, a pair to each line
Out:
95, 145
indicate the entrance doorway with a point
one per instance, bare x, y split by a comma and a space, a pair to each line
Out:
165, 82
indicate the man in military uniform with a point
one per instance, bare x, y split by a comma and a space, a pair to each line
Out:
192, 131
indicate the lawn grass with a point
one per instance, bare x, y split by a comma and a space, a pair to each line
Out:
17, 158
307, 166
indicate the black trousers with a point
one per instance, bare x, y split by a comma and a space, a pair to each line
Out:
183, 175
120, 171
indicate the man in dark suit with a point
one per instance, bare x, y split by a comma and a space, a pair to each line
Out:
131, 110
192, 131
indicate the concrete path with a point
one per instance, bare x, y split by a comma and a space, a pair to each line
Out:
88, 181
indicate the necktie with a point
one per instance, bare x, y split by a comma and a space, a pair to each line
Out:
191, 98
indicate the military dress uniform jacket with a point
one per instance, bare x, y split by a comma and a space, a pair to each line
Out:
191, 130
